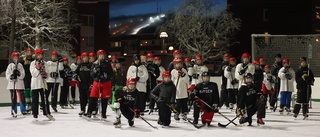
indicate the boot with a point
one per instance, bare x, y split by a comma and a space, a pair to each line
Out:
260, 121
176, 116
131, 122
81, 113
195, 121
184, 116
117, 121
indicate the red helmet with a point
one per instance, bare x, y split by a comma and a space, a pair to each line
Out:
54, 53
187, 60
198, 57
177, 60
78, 57
28, 49
176, 52
267, 66
285, 60
261, 59
131, 81
149, 55
256, 62
166, 74
114, 57
101, 52
15, 54
38, 51
232, 59
226, 55
92, 54
84, 54
245, 55
65, 59
156, 58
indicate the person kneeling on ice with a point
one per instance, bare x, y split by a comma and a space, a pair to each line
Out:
250, 100
204, 94
127, 101
164, 94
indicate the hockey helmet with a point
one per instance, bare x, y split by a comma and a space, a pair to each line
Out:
166, 74
65, 59
156, 58
278, 56
149, 55
78, 57
232, 59
267, 66
198, 57
226, 55
54, 53
114, 57
101, 52
84, 54
131, 81
92, 54
187, 60
261, 59
303, 59
256, 62
136, 57
38, 51
177, 60
205, 74
285, 60
248, 75
245, 55
176, 52
15, 54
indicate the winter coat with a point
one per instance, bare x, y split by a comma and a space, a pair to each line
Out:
285, 83
141, 72
52, 68
230, 75
198, 70
37, 82
302, 84
18, 84
26, 66
181, 83
208, 92
105, 74
165, 91
83, 72
249, 69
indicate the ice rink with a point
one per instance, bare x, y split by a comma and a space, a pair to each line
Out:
69, 124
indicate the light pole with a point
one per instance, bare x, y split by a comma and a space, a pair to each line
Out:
163, 35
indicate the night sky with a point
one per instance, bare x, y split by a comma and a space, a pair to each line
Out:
135, 7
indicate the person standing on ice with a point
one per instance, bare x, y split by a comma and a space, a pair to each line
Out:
157, 61
243, 68
15, 74
165, 96
232, 82
274, 71
66, 75
268, 84
25, 61
74, 82
304, 79
287, 77
176, 54
127, 103
154, 73
180, 78
224, 93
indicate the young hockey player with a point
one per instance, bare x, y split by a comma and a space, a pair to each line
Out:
15, 74
224, 91
198, 69
181, 80
176, 54
249, 101
84, 80
274, 71
205, 92
154, 73
287, 77
55, 65
157, 61
244, 67
258, 75
39, 69
262, 63
268, 84
140, 73
74, 82
101, 71
232, 82
66, 75
27, 59
92, 57
304, 79
165, 95
127, 103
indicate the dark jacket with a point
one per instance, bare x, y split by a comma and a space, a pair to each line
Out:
258, 78
247, 96
275, 70
208, 92
224, 79
119, 77
130, 98
26, 66
165, 91
302, 84
83, 72
104, 72
154, 73
66, 75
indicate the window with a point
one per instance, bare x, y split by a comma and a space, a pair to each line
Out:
87, 20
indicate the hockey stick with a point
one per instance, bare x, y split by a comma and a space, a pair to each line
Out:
231, 121
54, 85
144, 120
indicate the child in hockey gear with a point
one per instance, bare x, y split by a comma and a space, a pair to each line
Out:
268, 83
262, 63
232, 82
176, 54
244, 67
274, 71
258, 75
287, 77
92, 57
181, 81
118, 79
39, 69
74, 82
157, 61
127, 101
84, 80
66, 75
55, 65
102, 72
304, 79
250, 100
140, 73
165, 95
15, 74
154, 73
208, 92
27, 59
224, 91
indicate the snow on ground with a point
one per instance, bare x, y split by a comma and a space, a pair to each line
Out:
69, 124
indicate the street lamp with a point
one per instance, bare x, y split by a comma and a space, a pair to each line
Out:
171, 48
163, 35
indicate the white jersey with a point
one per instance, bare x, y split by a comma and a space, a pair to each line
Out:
286, 84
73, 68
230, 75
18, 84
181, 85
141, 72
161, 71
52, 67
266, 82
249, 69
36, 81
198, 70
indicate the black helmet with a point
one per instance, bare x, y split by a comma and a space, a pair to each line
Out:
205, 74
248, 75
136, 57
303, 59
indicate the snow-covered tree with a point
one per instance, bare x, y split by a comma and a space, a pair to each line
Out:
201, 27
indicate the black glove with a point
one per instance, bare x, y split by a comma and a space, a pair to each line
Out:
229, 68
16, 72
195, 76
54, 75
215, 108
234, 81
288, 76
181, 73
137, 79
270, 79
13, 77
60, 58
159, 99
242, 71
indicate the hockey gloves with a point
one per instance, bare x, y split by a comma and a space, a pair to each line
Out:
288, 76
215, 108
195, 76
181, 73
136, 112
270, 79
39, 65
16, 72
242, 71
229, 69
44, 74
234, 81
13, 77
60, 58
54, 75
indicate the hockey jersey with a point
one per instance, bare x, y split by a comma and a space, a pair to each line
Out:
286, 84
232, 82
181, 83
37, 82
249, 68
19, 83
52, 67
139, 71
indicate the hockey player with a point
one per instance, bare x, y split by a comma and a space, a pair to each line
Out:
258, 75
84, 80
304, 79
176, 54
190, 69
127, 103
39, 69
207, 92
74, 82
165, 95
55, 65
66, 75
268, 83
244, 67
140, 73
101, 71
181, 80
274, 71
15, 74
287, 77
27, 59
118, 80
232, 82
198, 69
92, 57
157, 61
224, 91
154, 73
250, 100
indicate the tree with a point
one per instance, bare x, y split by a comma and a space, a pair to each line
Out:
201, 27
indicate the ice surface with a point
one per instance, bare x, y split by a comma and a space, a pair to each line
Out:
69, 124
